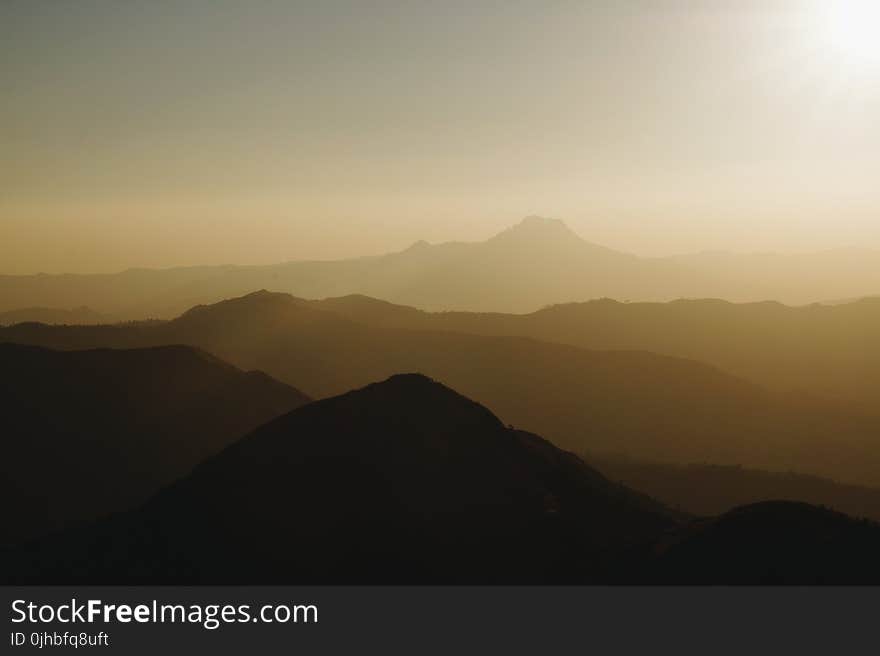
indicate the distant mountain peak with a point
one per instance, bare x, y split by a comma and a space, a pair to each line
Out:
537, 229
419, 245
536, 220
543, 223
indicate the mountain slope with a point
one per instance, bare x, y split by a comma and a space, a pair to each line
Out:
90, 432
535, 263
403, 481
773, 543
821, 350
406, 481
630, 402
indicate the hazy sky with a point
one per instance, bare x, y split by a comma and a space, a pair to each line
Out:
164, 133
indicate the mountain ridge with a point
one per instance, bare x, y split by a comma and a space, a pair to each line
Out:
775, 345
400, 481
79, 316
632, 402
408, 481
535, 263
118, 423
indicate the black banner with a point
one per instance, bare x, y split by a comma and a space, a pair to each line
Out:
418, 620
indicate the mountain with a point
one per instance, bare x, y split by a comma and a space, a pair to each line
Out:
407, 482
633, 403
703, 489
773, 543
403, 481
80, 315
535, 263
86, 433
818, 350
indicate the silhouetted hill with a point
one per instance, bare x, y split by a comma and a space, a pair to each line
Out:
830, 351
406, 481
703, 489
81, 315
530, 265
403, 481
629, 402
90, 432
774, 543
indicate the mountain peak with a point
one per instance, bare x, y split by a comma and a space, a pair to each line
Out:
410, 379
537, 220
418, 397
419, 245
540, 229
253, 301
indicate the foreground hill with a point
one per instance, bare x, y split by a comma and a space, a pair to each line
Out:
773, 543
824, 350
530, 265
630, 402
406, 481
400, 482
704, 490
90, 432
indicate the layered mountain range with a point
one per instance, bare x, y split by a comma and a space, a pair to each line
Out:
630, 402
406, 481
225, 435
829, 351
535, 263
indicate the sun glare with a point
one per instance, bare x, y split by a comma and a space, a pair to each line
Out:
853, 28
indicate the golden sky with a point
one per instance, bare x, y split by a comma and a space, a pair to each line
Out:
160, 134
